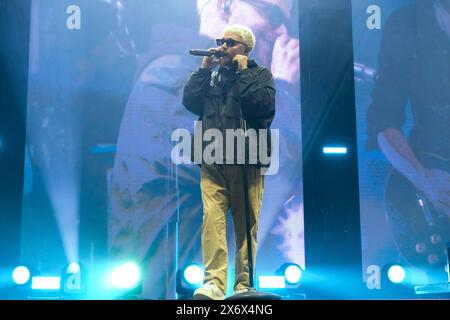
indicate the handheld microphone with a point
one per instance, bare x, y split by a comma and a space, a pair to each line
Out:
207, 53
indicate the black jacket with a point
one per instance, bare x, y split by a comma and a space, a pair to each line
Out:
231, 99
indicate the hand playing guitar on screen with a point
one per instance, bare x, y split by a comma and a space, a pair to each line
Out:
410, 94
417, 200
435, 185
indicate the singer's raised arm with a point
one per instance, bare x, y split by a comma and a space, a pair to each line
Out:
194, 91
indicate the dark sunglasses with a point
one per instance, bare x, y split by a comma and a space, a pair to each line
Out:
230, 42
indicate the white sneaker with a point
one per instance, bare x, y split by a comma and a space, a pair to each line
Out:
209, 291
239, 291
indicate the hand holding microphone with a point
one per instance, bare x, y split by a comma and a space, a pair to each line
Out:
211, 56
207, 53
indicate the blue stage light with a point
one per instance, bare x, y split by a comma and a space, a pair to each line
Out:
73, 267
334, 150
188, 279
45, 283
125, 276
293, 273
193, 274
396, 282
396, 273
21, 275
271, 282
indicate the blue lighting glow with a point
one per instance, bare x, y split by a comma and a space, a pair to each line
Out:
126, 276
193, 274
21, 275
335, 150
73, 268
396, 274
46, 283
293, 274
271, 282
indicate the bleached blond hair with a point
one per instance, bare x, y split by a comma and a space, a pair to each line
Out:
247, 35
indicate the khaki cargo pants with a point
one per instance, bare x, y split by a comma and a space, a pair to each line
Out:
222, 189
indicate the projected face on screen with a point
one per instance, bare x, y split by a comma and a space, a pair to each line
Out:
403, 100
104, 99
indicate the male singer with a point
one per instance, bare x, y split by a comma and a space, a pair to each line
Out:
239, 95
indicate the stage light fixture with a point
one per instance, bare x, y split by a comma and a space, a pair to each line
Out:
126, 276
188, 279
285, 282
21, 275
396, 273
193, 275
396, 281
292, 273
